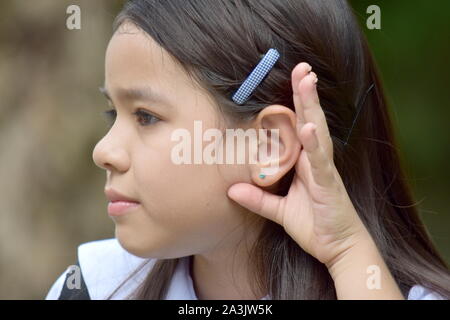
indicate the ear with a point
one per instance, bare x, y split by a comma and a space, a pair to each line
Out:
278, 145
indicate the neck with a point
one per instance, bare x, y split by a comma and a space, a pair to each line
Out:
223, 274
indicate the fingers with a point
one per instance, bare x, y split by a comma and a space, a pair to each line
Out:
321, 166
313, 112
299, 72
256, 200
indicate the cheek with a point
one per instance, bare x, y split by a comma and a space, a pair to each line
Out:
186, 209
180, 195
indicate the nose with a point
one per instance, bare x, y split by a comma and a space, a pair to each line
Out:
110, 154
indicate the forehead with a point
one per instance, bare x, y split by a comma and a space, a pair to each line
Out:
134, 59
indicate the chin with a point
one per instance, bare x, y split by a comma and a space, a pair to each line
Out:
131, 244
136, 246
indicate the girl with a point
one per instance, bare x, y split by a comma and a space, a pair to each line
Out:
335, 220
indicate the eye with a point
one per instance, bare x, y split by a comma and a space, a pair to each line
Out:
145, 118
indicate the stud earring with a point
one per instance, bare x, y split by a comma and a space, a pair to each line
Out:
262, 175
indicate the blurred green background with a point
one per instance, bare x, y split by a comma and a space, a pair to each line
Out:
51, 192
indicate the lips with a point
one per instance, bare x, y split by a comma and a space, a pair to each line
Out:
119, 203
119, 208
114, 196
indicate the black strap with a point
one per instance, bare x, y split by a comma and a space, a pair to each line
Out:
74, 294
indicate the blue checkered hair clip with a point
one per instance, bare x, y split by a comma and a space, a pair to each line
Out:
256, 77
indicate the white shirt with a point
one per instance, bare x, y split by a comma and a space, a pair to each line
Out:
105, 265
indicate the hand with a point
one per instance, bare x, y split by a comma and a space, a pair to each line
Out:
317, 211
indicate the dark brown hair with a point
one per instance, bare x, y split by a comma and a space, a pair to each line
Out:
218, 43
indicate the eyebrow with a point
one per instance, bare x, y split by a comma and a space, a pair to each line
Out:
144, 93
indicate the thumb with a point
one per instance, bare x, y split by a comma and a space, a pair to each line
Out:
265, 204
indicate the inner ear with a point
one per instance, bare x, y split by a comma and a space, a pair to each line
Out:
275, 121
269, 138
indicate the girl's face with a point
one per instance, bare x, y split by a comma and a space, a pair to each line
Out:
184, 209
